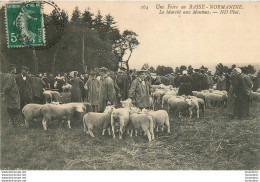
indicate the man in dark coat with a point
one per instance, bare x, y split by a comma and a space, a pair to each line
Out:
10, 94
52, 81
46, 81
140, 91
37, 89
123, 83
196, 80
107, 93
185, 81
242, 88
256, 83
203, 80
24, 84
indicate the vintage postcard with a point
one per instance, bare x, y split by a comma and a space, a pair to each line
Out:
129, 85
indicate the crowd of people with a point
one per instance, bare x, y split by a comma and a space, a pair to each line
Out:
103, 87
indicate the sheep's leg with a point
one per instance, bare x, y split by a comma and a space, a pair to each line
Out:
198, 111
131, 133
109, 131
44, 124
167, 122
148, 134
162, 127
157, 128
120, 132
90, 127
103, 132
113, 126
69, 123
136, 133
26, 122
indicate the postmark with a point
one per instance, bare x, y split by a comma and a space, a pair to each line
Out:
25, 26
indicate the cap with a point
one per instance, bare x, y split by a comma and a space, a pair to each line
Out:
122, 68
10, 66
103, 69
25, 68
141, 71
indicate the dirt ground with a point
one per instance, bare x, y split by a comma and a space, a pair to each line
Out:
213, 142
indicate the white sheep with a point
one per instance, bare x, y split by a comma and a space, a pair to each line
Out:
258, 90
31, 111
51, 111
98, 120
141, 121
55, 95
160, 118
121, 116
47, 97
66, 88
165, 99
179, 105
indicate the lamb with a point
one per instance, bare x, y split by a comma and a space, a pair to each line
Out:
47, 97
157, 96
126, 103
160, 117
215, 99
94, 119
141, 121
179, 105
51, 111
120, 115
55, 95
31, 111
165, 99
200, 102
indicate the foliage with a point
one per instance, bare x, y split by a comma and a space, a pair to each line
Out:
163, 70
88, 40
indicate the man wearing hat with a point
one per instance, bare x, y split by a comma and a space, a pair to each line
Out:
23, 82
123, 83
185, 84
209, 79
203, 80
140, 91
92, 87
107, 93
10, 94
196, 80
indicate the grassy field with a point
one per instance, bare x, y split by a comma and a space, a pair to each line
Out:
213, 142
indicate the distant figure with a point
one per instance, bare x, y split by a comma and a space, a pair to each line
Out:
185, 81
107, 93
92, 87
221, 81
76, 83
196, 80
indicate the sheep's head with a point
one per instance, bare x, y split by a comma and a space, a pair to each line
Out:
109, 109
145, 111
126, 103
188, 101
134, 110
80, 108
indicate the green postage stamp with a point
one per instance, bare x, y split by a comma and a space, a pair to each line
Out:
24, 24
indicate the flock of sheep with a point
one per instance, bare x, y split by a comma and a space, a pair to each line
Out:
129, 119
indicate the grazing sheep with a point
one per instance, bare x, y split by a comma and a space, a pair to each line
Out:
31, 111
160, 118
141, 121
51, 111
200, 102
98, 120
47, 97
213, 99
121, 116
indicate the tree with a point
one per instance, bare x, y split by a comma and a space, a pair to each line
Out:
183, 67
248, 69
145, 66
163, 70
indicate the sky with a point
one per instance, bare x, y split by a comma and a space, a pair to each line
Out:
174, 40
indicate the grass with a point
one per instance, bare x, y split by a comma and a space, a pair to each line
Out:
213, 142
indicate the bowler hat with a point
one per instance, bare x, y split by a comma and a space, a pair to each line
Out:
141, 71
